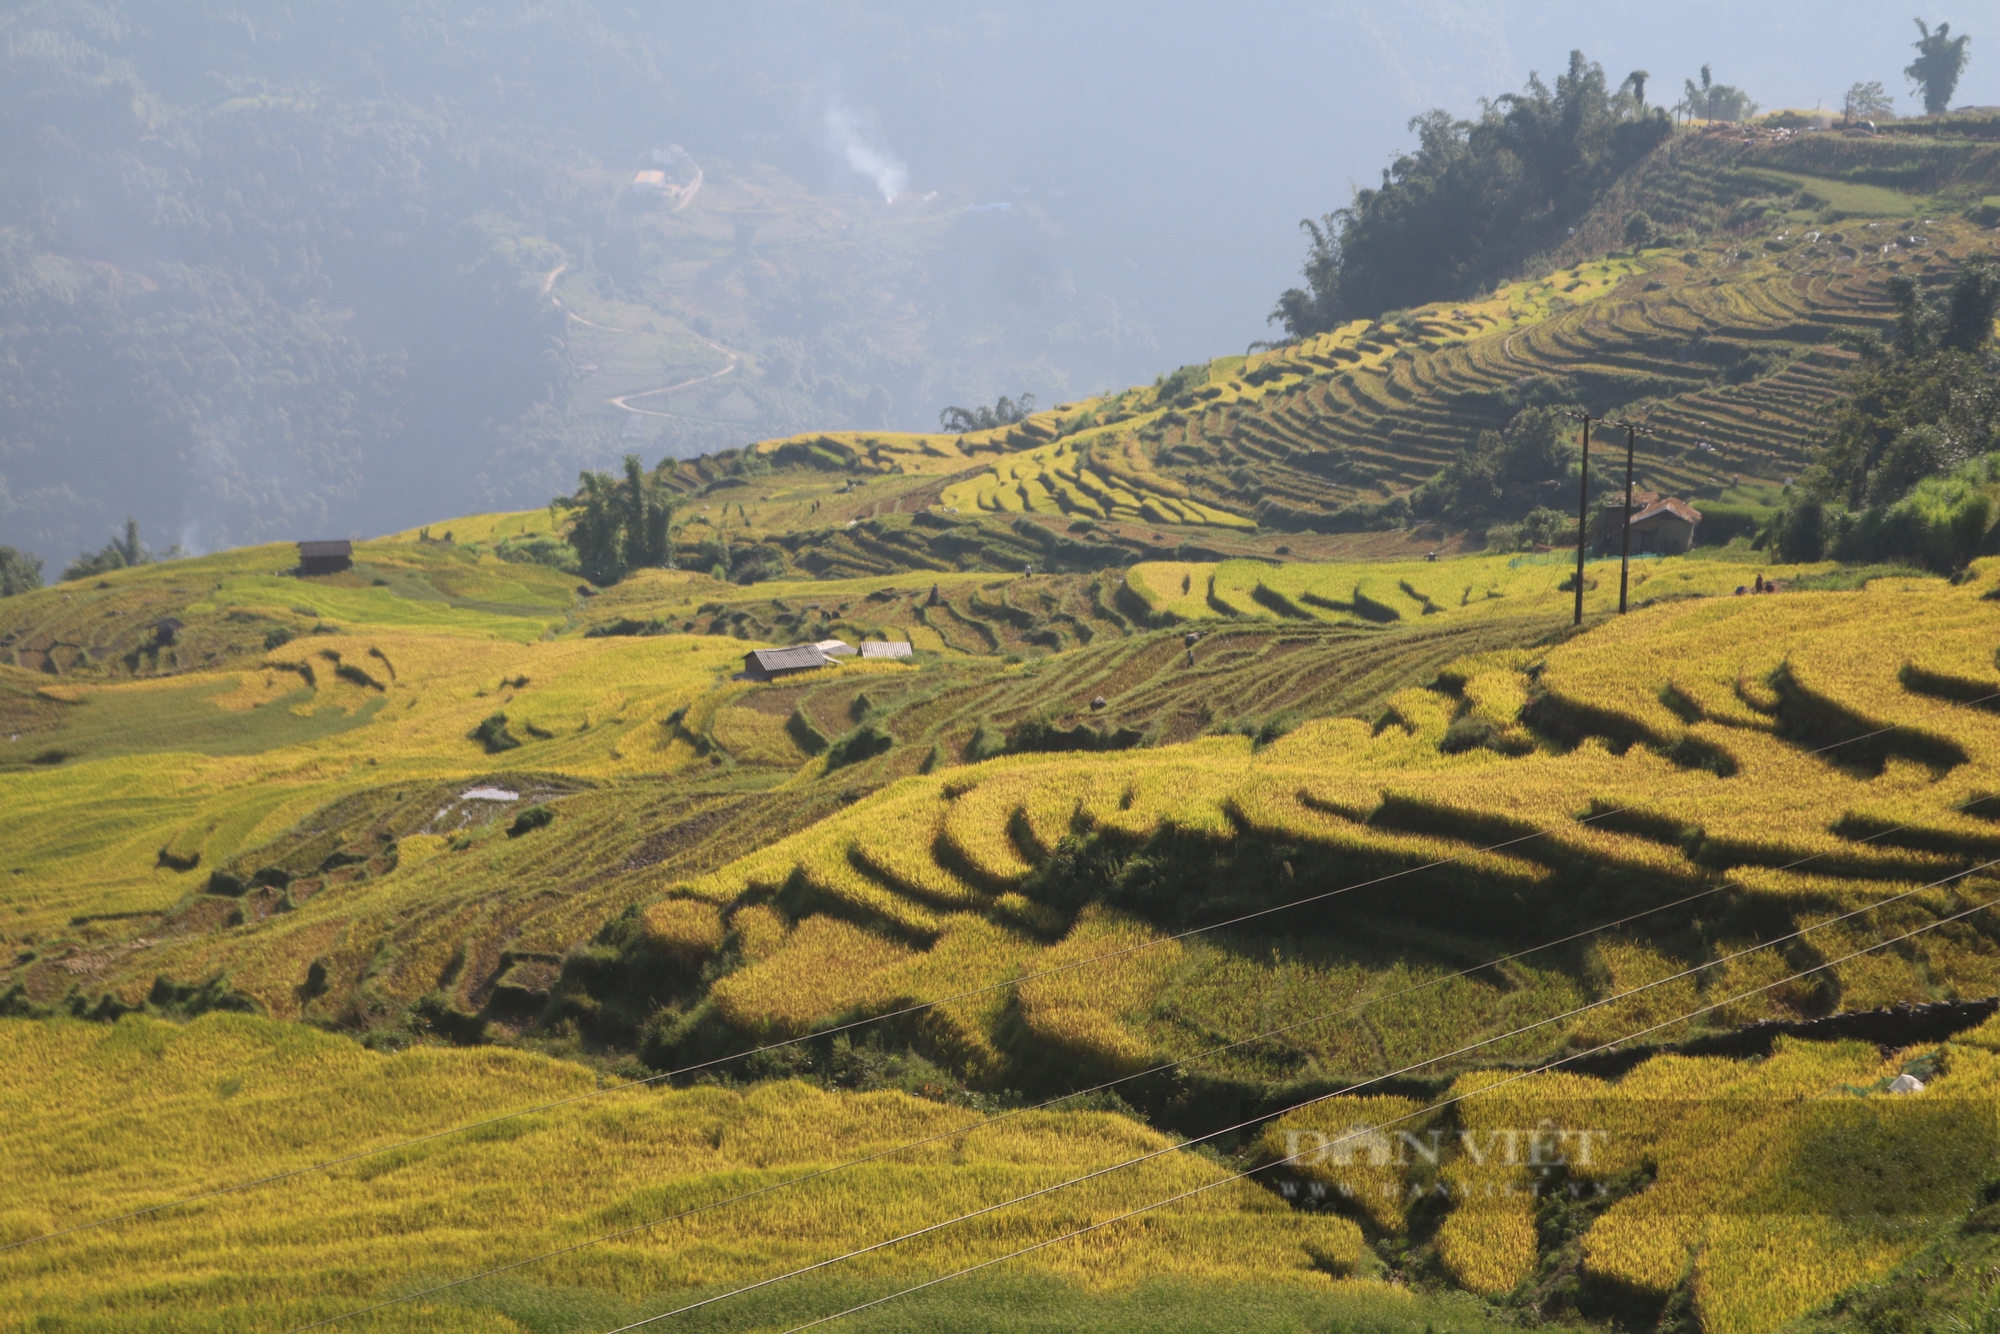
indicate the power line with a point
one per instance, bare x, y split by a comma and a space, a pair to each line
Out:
1241, 1125
1066, 1097
915, 1008
1240, 1176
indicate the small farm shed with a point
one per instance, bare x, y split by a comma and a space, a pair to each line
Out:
765, 664
835, 648
879, 649
1666, 527
1612, 516
325, 557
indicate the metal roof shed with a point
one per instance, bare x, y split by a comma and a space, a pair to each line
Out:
764, 664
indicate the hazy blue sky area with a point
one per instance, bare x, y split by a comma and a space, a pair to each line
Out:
278, 270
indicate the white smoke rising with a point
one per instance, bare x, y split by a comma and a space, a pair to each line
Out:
852, 138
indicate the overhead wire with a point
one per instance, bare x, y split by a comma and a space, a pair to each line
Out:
819, 1173
914, 1008
1075, 1233
1149, 1156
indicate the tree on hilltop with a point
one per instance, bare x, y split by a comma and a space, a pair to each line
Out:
20, 572
619, 524
1867, 101
1004, 412
1716, 101
1940, 60
1474, 200
117, 554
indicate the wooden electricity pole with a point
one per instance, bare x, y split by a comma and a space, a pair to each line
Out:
1582, 506
1632, 429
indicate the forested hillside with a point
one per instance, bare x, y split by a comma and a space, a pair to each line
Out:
283, 275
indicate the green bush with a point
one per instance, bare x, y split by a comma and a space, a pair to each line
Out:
540, 549
1180, 385
529, 820
1039, 735
987, 741
1468, 734
1941, 523
862, 743
1800, 532
493, 735
806, 733
1722, 524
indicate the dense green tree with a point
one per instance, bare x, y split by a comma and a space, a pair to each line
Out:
619, 523
20, 572
1906, 464
1940, 60
117, 554
1475, 200
1005, 412
1925, 400
1504, 474
1716, 101
1867, 101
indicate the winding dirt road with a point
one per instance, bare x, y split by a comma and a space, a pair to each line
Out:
624, 401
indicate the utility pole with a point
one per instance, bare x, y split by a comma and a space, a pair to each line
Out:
1582, 505
1632, 429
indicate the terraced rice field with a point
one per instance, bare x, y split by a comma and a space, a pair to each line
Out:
1280, 847
1370, 412
314, 739
1645, 767
1377, 594
228, 1097
1709, 1175
1720, 347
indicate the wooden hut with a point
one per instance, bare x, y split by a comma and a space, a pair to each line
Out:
1661, 525
1666, 527
325, 557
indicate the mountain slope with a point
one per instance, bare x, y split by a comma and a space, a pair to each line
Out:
1720, 346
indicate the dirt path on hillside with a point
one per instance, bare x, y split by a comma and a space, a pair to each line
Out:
624, 401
